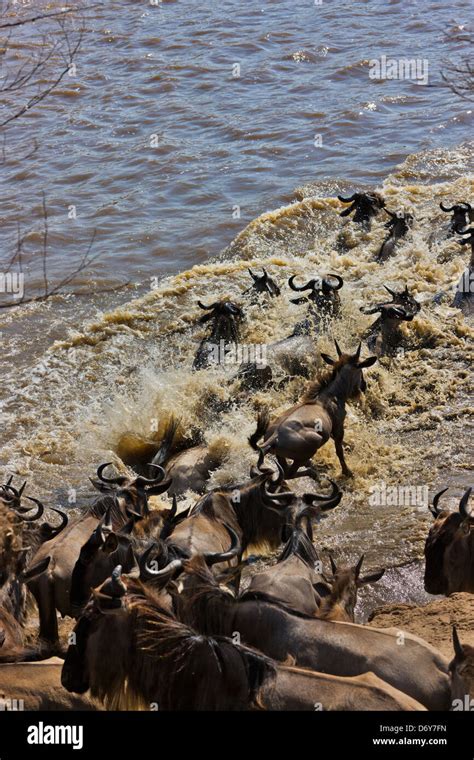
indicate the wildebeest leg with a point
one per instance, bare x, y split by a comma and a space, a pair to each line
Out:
43, 591
283, 464
309, 471
340, 455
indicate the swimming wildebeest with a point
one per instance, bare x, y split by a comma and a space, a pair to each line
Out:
125, 499
365, 205
296, 577
226, 318
461, 216
384, 336
213, 673
298, 433
449, 549
340, 603
263, 284
461, 668
323, 296
398, 226
343, 649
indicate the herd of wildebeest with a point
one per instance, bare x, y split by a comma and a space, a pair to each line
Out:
163, 617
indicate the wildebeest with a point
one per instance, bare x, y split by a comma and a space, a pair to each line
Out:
125, 499
213, 672
226, 318
323, 296
188, 469
384, 336
398, 225
461, 668
296, 577
340, 603
365, 205
467, 235
37, 686
263, 284
461, 215
299, 432
449, 549
343, 649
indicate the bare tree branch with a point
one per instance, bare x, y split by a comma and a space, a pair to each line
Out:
459, 77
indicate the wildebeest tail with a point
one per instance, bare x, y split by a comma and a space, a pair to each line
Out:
263, 421
164, 451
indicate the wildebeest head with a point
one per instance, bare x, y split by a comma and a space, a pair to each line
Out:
365, 205
323, 292
131, 494
103, 550
461, 215
403, 306
141, 667
264, 283
461, 669
345, 583
399, 222
10, 497
448, 548
347, 370
226, 317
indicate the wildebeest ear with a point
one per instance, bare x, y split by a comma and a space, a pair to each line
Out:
36, 570
326, 358
367, 362
111, 543
458, 647
372, 578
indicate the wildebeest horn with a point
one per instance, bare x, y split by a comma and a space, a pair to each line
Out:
38, 513
463, 505
309, 285
114, 587
333, 564
212, 558
434, 509
162, 576
119, 481
458, 647
287, 496
14, 491
55, 531
357, 353
340, 281
467, 206
207, 308
346, 200
392, 292
339, 352
445, 208
329, 502
141, 482
358, 566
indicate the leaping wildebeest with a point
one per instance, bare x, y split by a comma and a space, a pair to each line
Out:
398, 225
226, 318
365, 205
461, 215
323, 296
449, 549
298, 433
384, 336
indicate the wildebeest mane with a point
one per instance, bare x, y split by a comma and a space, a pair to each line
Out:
324, 380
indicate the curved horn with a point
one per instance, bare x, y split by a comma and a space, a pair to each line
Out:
445, 208
309, 285
340, 281
434, 509
392, 292
114, 587
119, 481
346, 200
458, 647
467, 206
287, 496
161, 576
336, 492
339, 352
212, 558
206, 308
141, 482
55, 531
463, 505
38, 513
